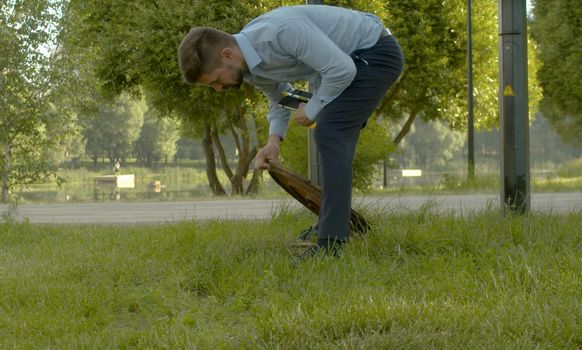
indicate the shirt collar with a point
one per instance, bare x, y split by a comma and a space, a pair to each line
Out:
251, 56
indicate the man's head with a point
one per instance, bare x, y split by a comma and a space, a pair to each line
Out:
211, 57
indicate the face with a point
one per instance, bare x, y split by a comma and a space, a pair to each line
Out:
226, 77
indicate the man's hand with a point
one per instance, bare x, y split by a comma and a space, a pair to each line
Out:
268, 153
300, 116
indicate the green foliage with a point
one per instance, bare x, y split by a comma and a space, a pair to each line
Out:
374, 146
115, 128
431, 145
377, 7
556, 28
133, 47
28, 90
431, 34
70, 146
294, 149
157, 140
137, 44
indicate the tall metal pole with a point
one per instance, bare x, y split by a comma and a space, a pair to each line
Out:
470, 122
312, 154
513, 106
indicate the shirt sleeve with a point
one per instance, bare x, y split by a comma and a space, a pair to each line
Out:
302, 39
278, 117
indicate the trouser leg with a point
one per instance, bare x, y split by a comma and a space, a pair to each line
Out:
338, 129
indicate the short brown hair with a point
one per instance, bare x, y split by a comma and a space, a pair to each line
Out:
199, 52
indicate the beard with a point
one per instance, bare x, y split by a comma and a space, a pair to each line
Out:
239, 76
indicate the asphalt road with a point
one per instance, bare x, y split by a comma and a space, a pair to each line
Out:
160, 212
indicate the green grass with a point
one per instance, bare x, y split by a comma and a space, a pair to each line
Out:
421, 280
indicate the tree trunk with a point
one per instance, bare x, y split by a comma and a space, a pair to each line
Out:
244, 164
244, 151
221, 153
249, 156
253, 187
5, 173
403, 132
384, 173
213, 181
148, 160
405, 128
235, 179
240, 133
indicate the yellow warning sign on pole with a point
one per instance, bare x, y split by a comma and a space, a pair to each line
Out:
508, 90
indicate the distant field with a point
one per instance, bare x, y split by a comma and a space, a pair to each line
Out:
183, 182
417, 281
187, 181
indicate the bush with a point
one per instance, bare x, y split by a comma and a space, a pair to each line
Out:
374, 146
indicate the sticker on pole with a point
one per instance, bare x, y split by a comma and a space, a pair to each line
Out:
508, 91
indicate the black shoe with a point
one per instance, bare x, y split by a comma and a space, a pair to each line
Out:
308, 233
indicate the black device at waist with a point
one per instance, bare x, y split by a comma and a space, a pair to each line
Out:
384, 33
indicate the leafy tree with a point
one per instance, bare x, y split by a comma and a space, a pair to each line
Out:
557, 29
373, 147
136, 43
28, 29
71, 145
433, 85
187, 148
115, 129
157, 140
431, 145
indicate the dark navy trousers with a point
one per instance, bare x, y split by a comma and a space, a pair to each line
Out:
338, 129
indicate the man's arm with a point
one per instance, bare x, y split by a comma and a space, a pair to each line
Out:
278, 117
268, 153
302, 39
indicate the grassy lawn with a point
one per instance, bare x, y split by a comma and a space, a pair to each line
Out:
418, 281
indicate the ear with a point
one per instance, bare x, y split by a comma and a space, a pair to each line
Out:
226, 52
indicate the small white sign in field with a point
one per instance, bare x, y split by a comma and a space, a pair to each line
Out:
411, 172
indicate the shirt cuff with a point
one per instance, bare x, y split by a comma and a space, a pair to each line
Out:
313, 107
278, 127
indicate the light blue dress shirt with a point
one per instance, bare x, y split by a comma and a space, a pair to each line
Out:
310, 43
